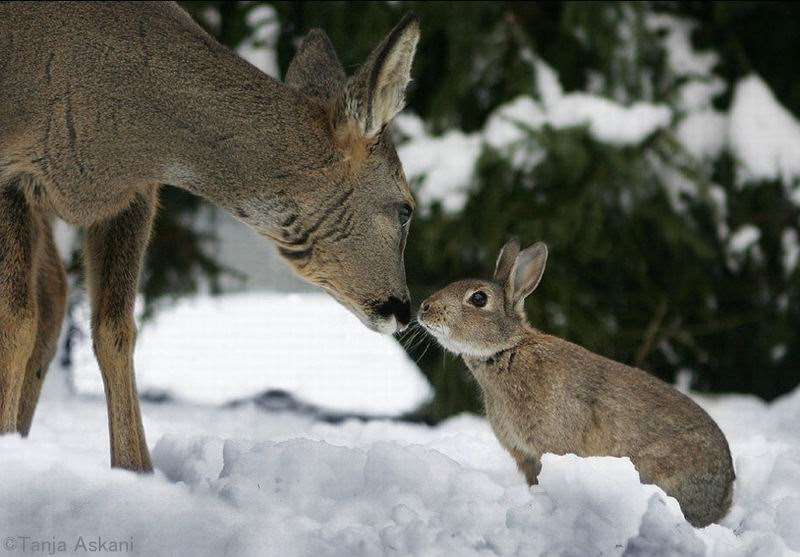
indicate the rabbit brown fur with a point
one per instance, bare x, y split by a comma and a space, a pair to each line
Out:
544, 394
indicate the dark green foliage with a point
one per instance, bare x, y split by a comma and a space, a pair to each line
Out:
634, 274
751, 36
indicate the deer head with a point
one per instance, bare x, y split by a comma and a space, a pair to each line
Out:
348, 218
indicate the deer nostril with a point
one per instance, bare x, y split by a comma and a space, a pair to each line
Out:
401, 309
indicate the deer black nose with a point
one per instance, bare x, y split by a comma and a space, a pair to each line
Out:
401, 309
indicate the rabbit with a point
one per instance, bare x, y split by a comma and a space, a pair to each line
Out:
544, 394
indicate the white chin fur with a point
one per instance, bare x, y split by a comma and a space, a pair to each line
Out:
442, 335
385, 326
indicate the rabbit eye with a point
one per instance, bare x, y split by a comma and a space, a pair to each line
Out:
478, 299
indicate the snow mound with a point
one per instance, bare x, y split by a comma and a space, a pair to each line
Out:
240, 482
215, 350
406, 500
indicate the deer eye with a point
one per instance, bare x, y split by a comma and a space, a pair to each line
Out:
405, 213
478, 299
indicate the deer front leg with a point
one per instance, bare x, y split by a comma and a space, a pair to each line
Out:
114, 250
18, 260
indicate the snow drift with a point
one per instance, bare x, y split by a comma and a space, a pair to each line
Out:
238, 481
220, 349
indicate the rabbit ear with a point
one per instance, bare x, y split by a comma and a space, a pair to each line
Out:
526, 273
505, 261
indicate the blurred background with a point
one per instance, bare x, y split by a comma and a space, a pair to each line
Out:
654, 146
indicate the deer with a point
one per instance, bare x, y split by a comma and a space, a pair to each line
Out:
102, 104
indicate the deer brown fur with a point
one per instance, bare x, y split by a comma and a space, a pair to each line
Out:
103, 103
544, 394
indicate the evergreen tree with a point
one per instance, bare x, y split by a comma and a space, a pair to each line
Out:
665, 254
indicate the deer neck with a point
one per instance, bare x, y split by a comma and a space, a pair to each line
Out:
246, 142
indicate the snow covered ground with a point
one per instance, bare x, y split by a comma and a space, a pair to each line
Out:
241, 481
221, 349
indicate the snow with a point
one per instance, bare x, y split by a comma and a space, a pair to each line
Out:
217, 350
765, 137
791, 250
240, 481
743, 240
682, 58
698, 94
704, 134
610, 122
259, 48
778, 352
211, 17
676, 183
762, 135
445, 165
511, 122
547, 84
607, 121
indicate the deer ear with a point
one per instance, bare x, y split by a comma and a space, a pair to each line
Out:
526, 273
505, 261
376, 93
315, 69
